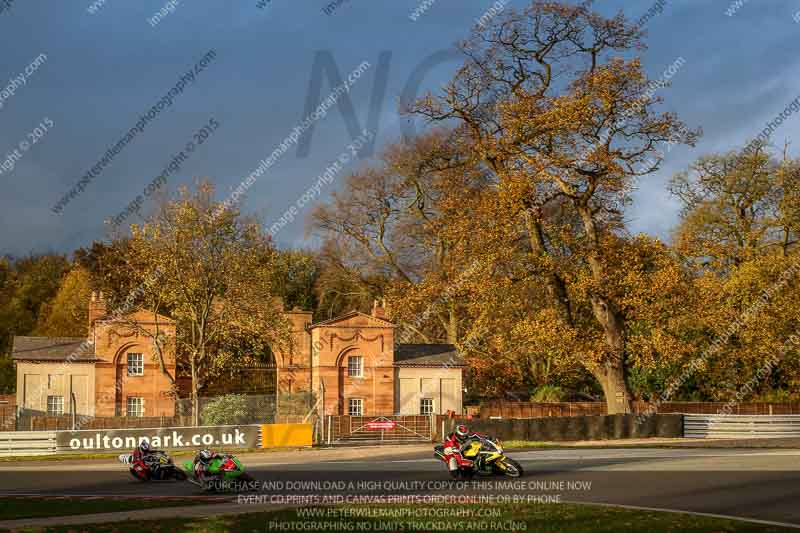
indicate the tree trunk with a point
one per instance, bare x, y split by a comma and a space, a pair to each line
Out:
195, 396
611, 372
452, 326
612, 379
556, 287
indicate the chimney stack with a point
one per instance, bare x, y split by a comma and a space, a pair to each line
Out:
97, 307
378, 309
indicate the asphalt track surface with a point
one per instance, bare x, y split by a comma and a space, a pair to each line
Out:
747, 483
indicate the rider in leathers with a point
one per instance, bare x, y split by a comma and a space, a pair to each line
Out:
201, 462
144, 452
454, 446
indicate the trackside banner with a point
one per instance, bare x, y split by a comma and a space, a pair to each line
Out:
180, 437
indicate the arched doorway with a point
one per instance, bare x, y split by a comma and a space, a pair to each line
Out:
258, 377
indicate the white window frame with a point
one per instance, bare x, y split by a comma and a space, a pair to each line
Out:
136, 413
138, 366
55, 405
351, 403
355, 371
422, 406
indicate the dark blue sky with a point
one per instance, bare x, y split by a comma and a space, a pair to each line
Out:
104, 70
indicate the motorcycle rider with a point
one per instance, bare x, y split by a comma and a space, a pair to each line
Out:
145, 452
202, 460
455, 444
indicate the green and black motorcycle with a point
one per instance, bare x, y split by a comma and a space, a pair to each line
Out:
218, 472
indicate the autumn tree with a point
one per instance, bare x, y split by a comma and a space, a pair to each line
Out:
757, 302
736, 207
296, 273
386, 234
739, 231
26, 285
107, 263
214, 272
346, 282
557, 117
67, 314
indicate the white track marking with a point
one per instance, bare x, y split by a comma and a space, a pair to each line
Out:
694, 513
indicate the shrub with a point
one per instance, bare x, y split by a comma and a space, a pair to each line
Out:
226, 410
548, 393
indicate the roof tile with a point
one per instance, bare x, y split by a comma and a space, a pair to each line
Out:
52, 349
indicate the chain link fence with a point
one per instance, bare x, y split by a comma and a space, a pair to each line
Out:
227, 409
249, 409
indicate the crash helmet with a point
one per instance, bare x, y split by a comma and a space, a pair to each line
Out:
462, 432
205, 455
144, 447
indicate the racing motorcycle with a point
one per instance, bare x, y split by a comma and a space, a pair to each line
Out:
222, 473
487, 457
157, 466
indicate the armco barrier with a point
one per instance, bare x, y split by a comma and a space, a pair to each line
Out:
21, 443
27, 443
741, 426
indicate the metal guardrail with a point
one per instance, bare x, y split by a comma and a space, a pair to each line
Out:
27, 443
741, 426
694, 426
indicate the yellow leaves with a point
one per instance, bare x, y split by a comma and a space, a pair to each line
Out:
216, 278
66, 315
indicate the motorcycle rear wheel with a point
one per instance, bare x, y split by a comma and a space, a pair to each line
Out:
137, 477
462, 473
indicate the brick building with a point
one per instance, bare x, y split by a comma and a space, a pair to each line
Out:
351, 361
113, 372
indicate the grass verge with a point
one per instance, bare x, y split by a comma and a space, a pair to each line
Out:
14, 508
561, 518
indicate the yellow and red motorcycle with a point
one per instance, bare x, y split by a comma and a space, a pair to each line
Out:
482, 455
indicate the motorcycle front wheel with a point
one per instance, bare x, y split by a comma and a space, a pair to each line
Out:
513, 468
246, 477
209, 485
